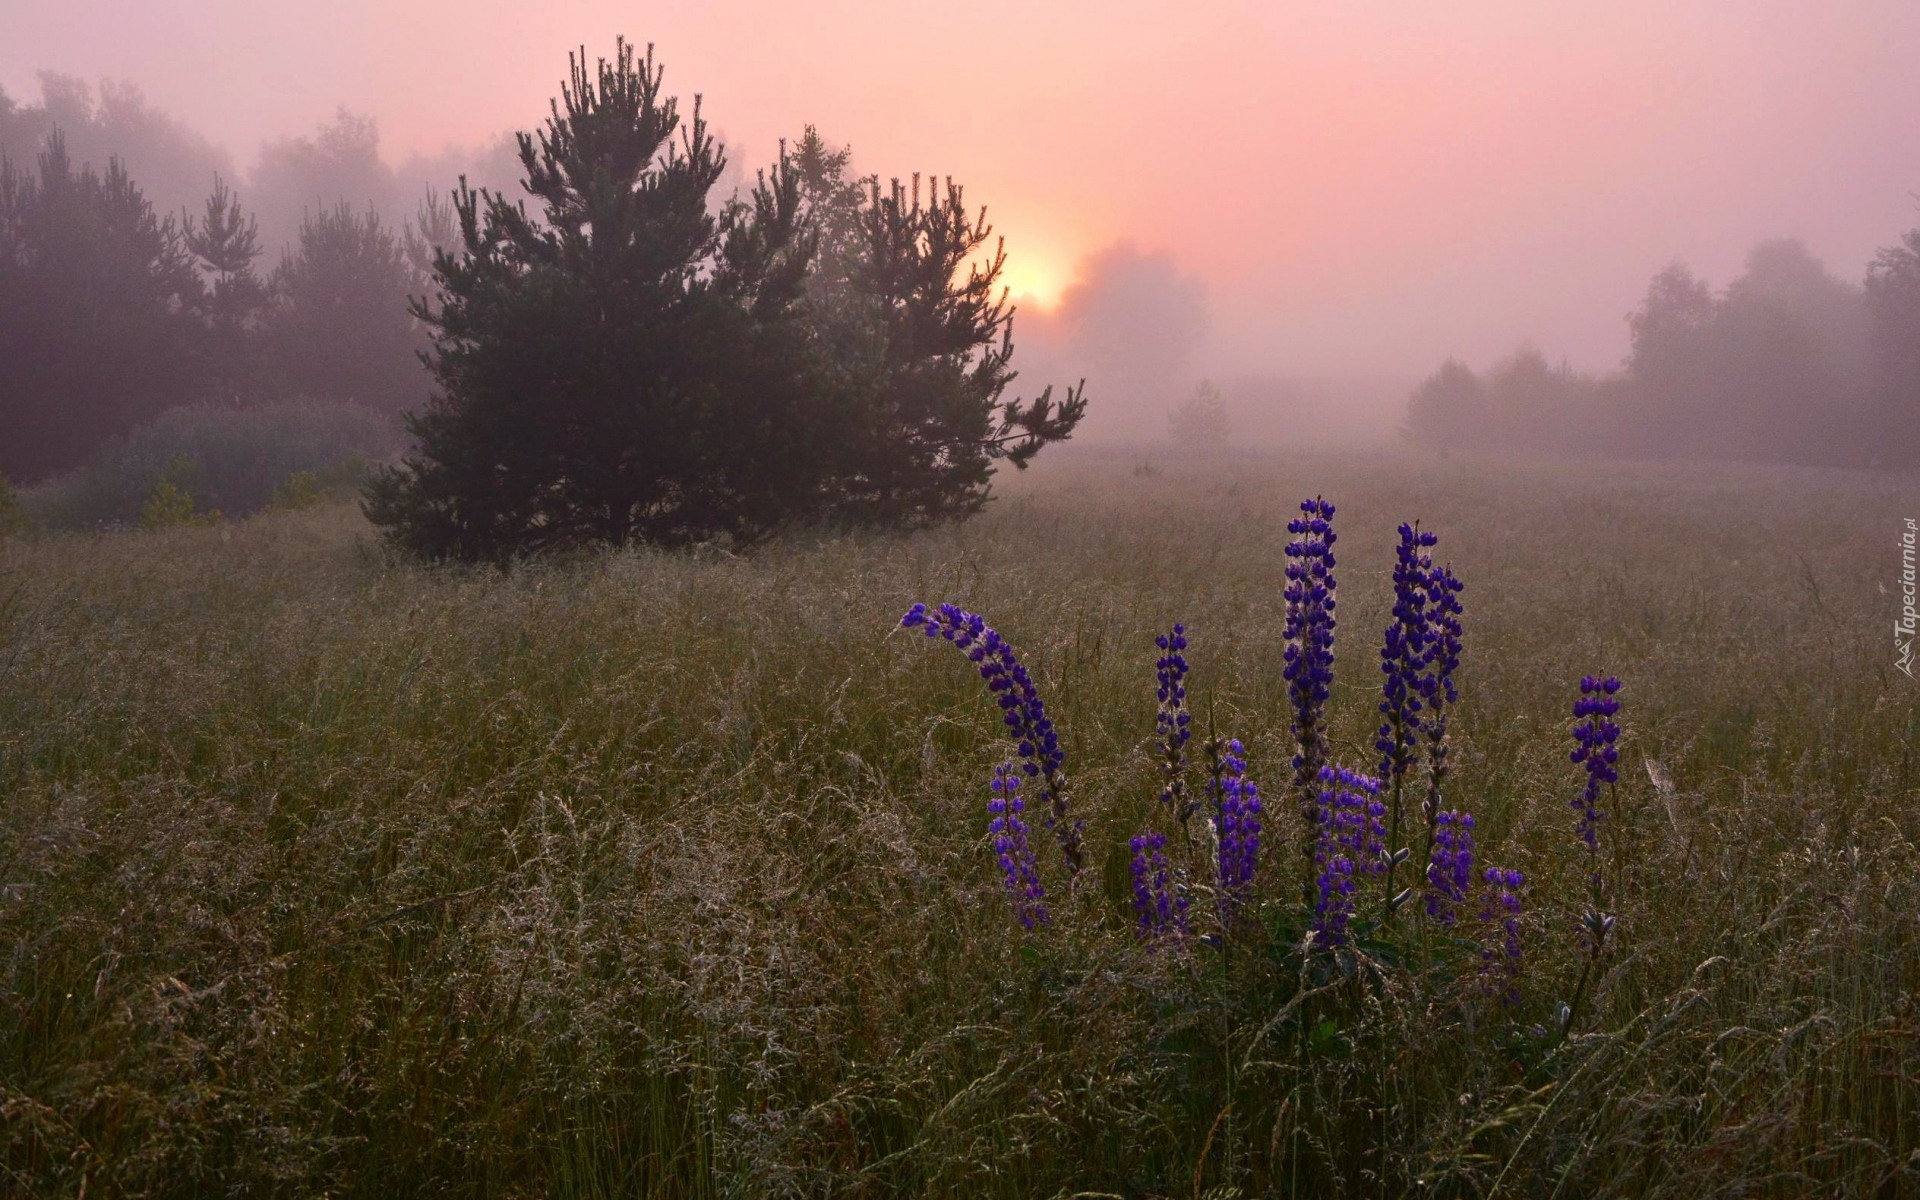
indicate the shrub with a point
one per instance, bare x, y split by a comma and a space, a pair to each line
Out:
233, 460
300, 490
171, 504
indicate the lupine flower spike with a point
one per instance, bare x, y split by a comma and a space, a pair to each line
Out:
1437, 687
1347, 847
1404, 657
1025, 716
1595, 748
1309, 671
1156, 904
1500, 947
1236, 823
1449, 866
1173, 722
1010, 846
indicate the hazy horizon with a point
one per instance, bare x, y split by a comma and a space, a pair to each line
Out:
1379, 186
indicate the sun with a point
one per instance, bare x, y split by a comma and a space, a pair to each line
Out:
1032, 278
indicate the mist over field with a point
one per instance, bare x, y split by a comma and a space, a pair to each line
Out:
1051, 600
1316, 201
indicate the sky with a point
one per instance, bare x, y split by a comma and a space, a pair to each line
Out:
1359, 187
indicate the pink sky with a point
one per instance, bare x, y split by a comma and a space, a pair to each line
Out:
1363, 186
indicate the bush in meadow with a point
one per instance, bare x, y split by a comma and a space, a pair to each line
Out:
231, 459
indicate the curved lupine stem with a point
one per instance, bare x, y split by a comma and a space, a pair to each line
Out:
1023, 712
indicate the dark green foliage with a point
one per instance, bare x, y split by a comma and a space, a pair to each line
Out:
98, 307
923, 354
224, 458
630, 367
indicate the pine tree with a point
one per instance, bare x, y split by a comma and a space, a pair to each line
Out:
97, 303
226, 242
435, 228
930, 363
341, 329
630, 368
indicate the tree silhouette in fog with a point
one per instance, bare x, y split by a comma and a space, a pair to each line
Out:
226, 242
1777, 368
340, 327
99, 307
633, 367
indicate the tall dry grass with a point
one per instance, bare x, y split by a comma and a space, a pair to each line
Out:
667, 876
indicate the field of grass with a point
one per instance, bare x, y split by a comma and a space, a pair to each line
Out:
644, 875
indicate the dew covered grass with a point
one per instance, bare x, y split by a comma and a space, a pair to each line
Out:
648, 875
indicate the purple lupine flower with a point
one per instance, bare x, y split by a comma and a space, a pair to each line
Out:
1404, 656
1594, 735
1010, 846
1236, 820
1596, 748
1156, 903
1173, 722
1450, 865
1349, 837
1406, 651
1437, 690
1023, 712
1309, 656
1500, 945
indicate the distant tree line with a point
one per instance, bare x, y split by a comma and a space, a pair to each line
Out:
1787, 364
112, 313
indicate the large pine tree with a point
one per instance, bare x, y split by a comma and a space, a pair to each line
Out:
629, 366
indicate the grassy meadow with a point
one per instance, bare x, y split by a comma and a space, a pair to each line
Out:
323, 872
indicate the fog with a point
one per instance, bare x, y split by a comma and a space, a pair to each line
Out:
1314, 205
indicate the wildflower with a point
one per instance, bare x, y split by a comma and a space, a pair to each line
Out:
1500, 916
1023, 712
1011, 847
1404, 657
1594, 735
1236, 818
1155, 902
1173, 722
1437, 688
1309, 656
1348, 844
1405, 654
1449, 865
1595, 747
